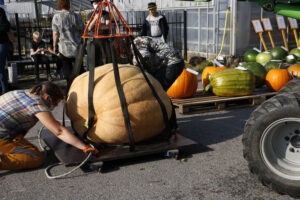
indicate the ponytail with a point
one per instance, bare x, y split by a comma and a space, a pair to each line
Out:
36, 90
49, 88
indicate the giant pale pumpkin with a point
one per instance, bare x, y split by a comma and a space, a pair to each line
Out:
184, 86
277, 78
146, 117
209, 70
294, 70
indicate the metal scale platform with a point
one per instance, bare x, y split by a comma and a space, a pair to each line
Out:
69, 155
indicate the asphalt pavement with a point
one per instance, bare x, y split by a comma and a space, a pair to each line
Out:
213, 170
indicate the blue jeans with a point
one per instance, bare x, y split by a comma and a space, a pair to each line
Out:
3, 73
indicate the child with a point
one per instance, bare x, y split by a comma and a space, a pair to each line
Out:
37, 52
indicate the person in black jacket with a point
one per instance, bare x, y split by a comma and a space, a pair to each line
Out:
5, 45
155, 24
38, 53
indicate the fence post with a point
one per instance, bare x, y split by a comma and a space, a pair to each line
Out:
37, 14
18, 36
185, 35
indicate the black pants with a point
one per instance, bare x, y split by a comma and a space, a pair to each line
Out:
40, 59
67, 66
58, 64
166, 75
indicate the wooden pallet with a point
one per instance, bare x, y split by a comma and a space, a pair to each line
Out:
206, 102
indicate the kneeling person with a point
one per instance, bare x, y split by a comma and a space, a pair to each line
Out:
20, 110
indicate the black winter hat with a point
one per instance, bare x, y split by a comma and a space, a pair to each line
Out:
151, 5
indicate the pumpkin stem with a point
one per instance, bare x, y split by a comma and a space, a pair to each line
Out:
208, 88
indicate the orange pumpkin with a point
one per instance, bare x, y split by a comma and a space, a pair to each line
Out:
294, 70
209, 70
277, 78
184, 86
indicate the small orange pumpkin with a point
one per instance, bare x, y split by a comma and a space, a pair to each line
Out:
295, 70
209, 70
277, 78
184, 86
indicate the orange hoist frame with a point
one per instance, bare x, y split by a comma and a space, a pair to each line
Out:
118, 27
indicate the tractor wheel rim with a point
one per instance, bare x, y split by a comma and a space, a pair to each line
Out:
280, 148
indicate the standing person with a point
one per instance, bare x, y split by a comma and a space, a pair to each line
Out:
5, 42
38, 53
67, 28
155, 24
19, 111
102, 48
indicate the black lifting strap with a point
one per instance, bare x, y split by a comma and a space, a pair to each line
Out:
91, 111
143, 65
121, 96
79, 60
76, 71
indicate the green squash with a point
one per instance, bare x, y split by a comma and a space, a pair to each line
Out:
250, 55
276, 65
232, 82
258, 70
278, 53
263, 57
296, 52
291, 59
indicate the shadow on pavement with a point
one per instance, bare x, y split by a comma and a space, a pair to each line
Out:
215, 127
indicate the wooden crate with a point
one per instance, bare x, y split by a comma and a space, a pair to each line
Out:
207, 102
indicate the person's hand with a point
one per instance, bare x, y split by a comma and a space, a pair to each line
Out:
40, 50
89, 149
46, 51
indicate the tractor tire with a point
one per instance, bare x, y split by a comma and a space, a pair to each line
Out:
271, 141
291, 86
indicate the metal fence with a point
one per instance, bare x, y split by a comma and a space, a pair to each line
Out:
24, 26
177, 26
